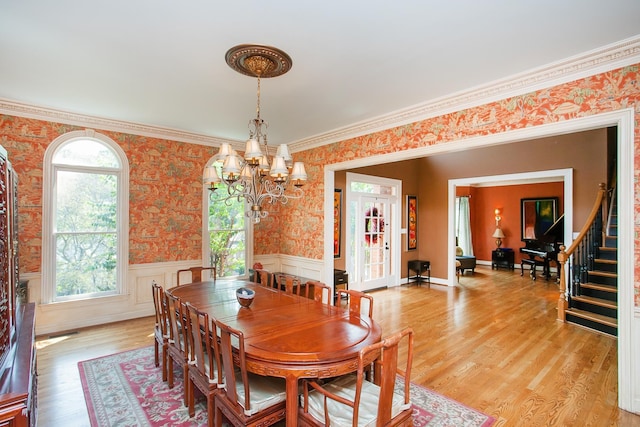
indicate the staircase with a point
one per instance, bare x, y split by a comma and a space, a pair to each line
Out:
593, 298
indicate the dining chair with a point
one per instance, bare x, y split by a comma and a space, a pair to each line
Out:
291, 283
161, 328
318, 291
196, 274
178, 345
352, 400
205, 371
354, 300
246, 398
264, 278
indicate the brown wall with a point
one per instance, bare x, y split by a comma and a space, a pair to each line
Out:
585, 152
485, 200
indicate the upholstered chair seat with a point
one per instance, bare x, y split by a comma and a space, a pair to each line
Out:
342, 415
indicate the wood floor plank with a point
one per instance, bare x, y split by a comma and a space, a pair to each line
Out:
492, 343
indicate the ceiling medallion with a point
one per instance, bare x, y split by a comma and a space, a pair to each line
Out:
258, 61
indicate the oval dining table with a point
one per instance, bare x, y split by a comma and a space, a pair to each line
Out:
286, 335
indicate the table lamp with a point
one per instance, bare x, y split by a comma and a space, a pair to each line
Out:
498, 235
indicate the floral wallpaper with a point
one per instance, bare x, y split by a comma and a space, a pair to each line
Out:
165, 179
165, 211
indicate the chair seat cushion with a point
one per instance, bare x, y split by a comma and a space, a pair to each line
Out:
265, 392
341, 414
212, 377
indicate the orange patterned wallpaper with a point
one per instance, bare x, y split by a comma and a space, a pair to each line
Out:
165, 175
165, 216
604, 92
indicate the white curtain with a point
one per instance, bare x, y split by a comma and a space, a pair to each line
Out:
463, 225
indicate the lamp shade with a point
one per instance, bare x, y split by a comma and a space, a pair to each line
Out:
498, 234
252, 152
231, 166
263, 166
211, 175
298, 171
283, 151
298, 174
279, 168
224, 151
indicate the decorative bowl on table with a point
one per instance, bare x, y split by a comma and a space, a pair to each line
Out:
245, 296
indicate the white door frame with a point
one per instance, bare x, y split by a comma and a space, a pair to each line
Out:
394, 200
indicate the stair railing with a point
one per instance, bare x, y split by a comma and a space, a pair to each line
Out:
582, 252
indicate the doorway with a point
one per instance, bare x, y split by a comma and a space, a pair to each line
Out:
624, 119
372, 234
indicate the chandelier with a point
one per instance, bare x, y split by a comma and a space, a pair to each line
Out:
257, 177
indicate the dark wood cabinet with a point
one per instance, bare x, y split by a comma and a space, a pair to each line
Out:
340, 281
18, 384
502, 258
420, 267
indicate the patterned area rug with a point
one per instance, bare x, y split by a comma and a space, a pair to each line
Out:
126, 389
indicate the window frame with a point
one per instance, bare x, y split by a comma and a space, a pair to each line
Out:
48, 221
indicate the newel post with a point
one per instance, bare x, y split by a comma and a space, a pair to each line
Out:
562, 299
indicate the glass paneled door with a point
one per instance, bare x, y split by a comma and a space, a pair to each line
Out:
373, 231
374, 242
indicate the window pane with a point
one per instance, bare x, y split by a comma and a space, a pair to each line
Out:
85, 202
366, 187
228, 252
85, 264
227, 237
86, 153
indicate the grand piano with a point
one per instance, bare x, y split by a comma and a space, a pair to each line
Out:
543, 250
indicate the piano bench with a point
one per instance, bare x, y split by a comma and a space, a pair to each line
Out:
532, 263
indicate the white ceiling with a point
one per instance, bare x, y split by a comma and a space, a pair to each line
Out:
162, 62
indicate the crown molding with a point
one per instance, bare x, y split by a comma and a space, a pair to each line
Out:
59, 116
622, 53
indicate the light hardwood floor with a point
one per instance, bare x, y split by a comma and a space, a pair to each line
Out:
491, 343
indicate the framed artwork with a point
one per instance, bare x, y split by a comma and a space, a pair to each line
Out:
537, 215
337, 221
412, 223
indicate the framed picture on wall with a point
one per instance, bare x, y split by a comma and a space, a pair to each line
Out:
537, 215
412, 222
337, 221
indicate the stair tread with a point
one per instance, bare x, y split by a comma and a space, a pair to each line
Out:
599, 318
606, 261
597, 301
600, 287
603, 273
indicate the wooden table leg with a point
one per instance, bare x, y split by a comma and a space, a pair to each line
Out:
292, 401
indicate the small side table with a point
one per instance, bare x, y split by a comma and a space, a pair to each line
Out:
419, 266
502, 258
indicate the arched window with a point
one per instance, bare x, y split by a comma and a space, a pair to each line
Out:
85, 223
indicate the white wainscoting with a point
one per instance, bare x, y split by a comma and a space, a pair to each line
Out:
136, 300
